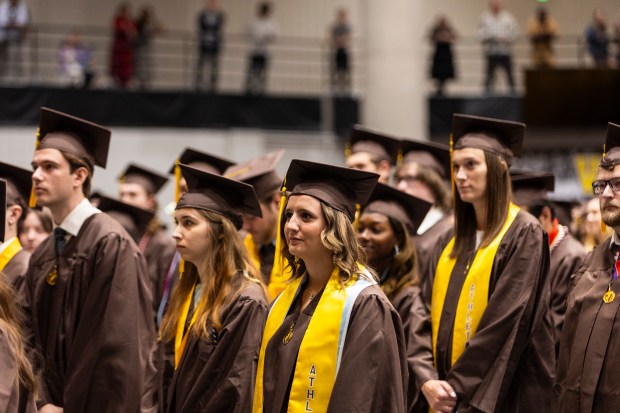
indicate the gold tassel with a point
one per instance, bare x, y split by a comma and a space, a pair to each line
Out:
32, 202
604, 151
181, 267
177, 181
358, 212
399, 157
347, 150
277, 283
453, 184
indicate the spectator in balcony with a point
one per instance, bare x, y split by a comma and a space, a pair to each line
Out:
210, 26
542, 30
14, 20
442, 36
74, 59
598, 40
498, 31
147, 27
122, 64
340, 42
261, 33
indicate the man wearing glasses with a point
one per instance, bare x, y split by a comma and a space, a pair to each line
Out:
589, 359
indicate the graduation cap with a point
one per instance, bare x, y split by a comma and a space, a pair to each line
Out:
199, 160
217, 194
18, 183
429, 154
79, 137
563, 208
340, 188
2, 209
611, 149
404, 208
151, 181
259, 172
501, 137
203, 161
135, 220
379, 145
531, 188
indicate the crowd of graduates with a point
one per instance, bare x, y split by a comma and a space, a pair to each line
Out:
328, 289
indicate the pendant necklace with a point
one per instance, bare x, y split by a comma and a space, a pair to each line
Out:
289, 334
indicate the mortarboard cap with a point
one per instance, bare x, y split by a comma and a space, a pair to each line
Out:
340, 188
259, 172
531, 188
563, 208
391, 202
217, 194
611, 150
501, 137
150, 180
18, 183
135, 220
203, 161
2, 209
79, 137
384, 147
430, 154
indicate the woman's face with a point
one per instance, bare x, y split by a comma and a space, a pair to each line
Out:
33, 233
192, 235
593, 217
376, 236
470, 174
303, 225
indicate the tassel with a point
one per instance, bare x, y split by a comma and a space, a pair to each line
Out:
604, 151
347, 150
181, 267
358, 212
399, 157
32, 202
177, 181
279, 277
452, 183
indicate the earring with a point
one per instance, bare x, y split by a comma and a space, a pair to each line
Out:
396, 250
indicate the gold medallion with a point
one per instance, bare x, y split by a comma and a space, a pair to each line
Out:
52, 276
609, 296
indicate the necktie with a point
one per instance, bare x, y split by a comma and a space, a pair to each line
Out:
60, 236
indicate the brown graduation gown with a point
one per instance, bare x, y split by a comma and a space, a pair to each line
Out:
218, 376
589, 361
94, 327
508, 365
373, 371
15, 270
410, 306
10, 388
566, 258
158, 254
425, 244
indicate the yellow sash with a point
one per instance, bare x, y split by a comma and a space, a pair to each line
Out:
9, 252
280, 272
474, 295
180, 339
321, 349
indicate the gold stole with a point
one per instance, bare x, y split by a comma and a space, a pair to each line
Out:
9, 252
280, 272
474, 294
180, 339
321, 349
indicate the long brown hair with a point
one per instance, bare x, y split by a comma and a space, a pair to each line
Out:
225, 262
403, 268
11, 320
339, 237
498, 197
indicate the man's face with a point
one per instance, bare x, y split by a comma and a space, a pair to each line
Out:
135, 194
610, 200
263, 230
52, 178
362, 161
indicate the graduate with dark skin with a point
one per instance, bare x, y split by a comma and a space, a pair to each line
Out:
385, 231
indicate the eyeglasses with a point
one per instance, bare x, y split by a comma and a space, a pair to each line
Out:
598, 187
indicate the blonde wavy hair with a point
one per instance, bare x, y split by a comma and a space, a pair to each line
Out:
339, 237
226, 262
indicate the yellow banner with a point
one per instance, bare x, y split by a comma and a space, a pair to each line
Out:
586, 165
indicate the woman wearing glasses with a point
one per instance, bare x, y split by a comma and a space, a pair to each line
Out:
491, 336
